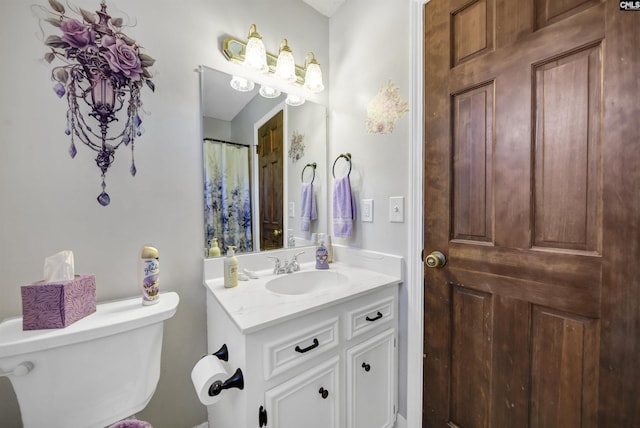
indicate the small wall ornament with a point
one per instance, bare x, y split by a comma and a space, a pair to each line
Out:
385, 109
296, 149
102, 74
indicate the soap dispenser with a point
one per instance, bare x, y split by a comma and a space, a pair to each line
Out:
214, 250
322, 256
231, 268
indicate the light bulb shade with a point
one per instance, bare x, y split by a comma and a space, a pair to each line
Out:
313, 76
294, 100
269, 92
255, 54
285, 65
241, 84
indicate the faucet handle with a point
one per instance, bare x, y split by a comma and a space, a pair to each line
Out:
295, 256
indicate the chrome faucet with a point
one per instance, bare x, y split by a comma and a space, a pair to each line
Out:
294, 266
277, 265
287, 267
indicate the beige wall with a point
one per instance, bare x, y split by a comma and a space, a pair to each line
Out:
47, 200
369, 47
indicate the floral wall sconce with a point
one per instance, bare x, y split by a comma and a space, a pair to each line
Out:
385, 109
102, 75
253, 56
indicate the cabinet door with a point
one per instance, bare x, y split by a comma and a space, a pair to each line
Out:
310, 400
372, 382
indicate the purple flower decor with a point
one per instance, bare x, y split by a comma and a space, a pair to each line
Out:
102, 74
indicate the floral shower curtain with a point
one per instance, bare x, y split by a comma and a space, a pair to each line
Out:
227, 195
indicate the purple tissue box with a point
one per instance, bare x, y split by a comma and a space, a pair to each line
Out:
58, 304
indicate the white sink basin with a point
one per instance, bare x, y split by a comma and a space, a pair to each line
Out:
306, 282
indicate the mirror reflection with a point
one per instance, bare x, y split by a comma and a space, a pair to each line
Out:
264, 168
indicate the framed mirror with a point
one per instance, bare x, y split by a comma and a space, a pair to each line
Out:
265, 163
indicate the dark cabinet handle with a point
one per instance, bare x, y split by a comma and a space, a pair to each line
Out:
308, 348
366, 367
324, 393
377, 317
262, 417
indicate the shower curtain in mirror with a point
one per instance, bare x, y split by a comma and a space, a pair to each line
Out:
227, 195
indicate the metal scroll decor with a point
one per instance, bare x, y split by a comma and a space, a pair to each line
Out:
102, 74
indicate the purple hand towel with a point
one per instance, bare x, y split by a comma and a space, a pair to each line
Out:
343, 209
308, 210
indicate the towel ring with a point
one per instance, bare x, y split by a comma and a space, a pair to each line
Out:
347, 156
313, 166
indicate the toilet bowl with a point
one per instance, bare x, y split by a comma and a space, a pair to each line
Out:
97, 371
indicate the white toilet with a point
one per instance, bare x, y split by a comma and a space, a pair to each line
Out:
95, 372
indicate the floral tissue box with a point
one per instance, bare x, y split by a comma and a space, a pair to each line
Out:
58, 304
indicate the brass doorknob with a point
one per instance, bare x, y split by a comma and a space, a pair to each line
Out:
435, 260
277, 232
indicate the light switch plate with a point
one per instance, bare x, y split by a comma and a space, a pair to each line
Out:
396, 209
292, 209
366, 205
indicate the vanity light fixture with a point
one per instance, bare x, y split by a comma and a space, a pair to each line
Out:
313, 74
286, 65
269, 92
294, 100
241, 84
255, 56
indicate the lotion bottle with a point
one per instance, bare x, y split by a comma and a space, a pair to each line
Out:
149, 275
214, 250
231, 268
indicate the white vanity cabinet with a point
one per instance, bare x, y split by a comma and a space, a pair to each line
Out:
309, 400
331, 366
372, 382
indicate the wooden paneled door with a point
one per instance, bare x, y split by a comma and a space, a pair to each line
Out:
532, 192
271, 163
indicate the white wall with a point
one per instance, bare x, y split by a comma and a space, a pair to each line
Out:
370, 46
48, 201
309, 120
216, 129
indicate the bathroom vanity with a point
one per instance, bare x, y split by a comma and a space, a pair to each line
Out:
316, 348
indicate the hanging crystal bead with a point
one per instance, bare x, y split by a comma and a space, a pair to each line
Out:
103, 198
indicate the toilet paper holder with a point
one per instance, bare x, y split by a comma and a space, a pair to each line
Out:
235, 381
222, 353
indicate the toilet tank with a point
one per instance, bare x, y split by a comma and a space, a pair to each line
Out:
92, 373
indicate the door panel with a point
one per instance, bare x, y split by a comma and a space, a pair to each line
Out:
516, 185
470, 350
473, 164
568, 147
271, 161
563, 367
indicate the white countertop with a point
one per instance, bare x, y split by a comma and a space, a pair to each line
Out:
253, 307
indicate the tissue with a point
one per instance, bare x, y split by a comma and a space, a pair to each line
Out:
59, 267
61, 299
